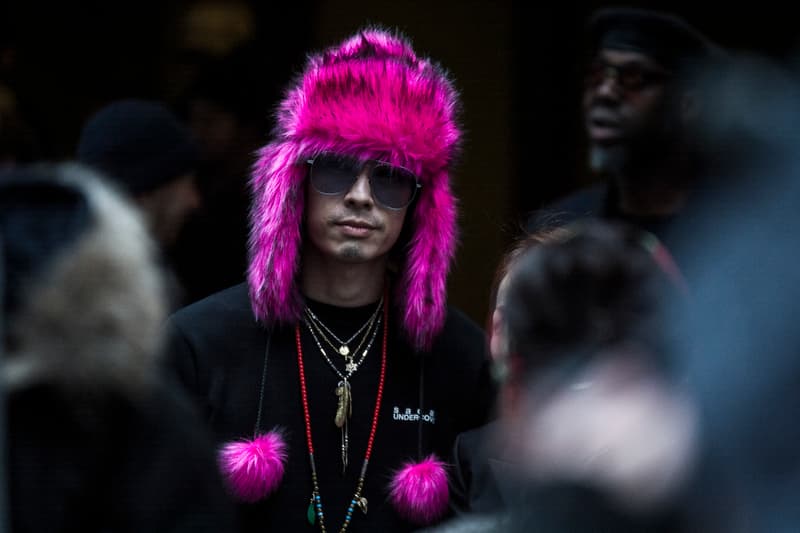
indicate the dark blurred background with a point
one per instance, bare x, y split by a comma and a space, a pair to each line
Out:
517, 64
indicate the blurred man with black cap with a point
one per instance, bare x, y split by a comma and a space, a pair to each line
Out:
142, 146
639, 107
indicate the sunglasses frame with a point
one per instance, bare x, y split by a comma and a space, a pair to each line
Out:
647, 76
375, 164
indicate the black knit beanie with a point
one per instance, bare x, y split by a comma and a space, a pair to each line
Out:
139, 144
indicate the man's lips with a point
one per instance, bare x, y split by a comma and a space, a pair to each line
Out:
356, 223
356, 227
603, 126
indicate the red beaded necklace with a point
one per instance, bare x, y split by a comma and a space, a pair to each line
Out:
315, 506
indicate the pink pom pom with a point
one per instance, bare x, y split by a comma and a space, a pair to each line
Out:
419, 491
254, 468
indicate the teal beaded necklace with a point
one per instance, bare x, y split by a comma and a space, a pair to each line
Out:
315, 506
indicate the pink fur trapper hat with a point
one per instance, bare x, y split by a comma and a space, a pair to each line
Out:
370, 97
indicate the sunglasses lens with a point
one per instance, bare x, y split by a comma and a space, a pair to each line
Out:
628, 77
633, 78
333, 175
394, 187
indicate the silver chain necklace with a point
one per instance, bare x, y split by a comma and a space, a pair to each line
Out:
344, 346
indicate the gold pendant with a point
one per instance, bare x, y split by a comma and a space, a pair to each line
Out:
344, 350
344, 408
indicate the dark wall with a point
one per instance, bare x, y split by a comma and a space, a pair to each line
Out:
69, 58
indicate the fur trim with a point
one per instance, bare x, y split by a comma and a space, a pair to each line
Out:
94, 315
371, 98
419, 491
254, 468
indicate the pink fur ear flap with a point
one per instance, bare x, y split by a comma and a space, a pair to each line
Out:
419, 491
253, 469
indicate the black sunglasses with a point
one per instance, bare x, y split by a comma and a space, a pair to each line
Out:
392, 186
629, 77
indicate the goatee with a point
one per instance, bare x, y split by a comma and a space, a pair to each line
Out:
351, 252
607, 159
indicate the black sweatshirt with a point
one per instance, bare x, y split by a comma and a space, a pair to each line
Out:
217, 349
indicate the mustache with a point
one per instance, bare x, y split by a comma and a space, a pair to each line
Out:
603, 114
604, 110
355, 219
602, 100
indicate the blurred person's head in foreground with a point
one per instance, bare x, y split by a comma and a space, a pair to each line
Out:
143, 147
497, 334
589, 410
82, 294
89, 423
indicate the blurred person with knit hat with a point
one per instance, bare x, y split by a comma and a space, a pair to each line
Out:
143, 147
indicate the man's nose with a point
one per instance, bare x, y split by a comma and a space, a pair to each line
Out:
360, 192
608, 85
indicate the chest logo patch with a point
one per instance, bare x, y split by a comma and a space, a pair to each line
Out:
409, 415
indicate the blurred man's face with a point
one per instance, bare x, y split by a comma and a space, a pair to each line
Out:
624, 103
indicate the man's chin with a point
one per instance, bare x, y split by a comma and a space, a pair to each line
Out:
351, 253
607, 158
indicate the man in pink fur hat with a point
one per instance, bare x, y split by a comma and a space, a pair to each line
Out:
336, 379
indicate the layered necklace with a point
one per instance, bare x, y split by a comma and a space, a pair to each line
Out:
344, 408
343, 347
315, 511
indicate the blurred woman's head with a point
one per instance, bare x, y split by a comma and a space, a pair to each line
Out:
497, 335
588, 397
